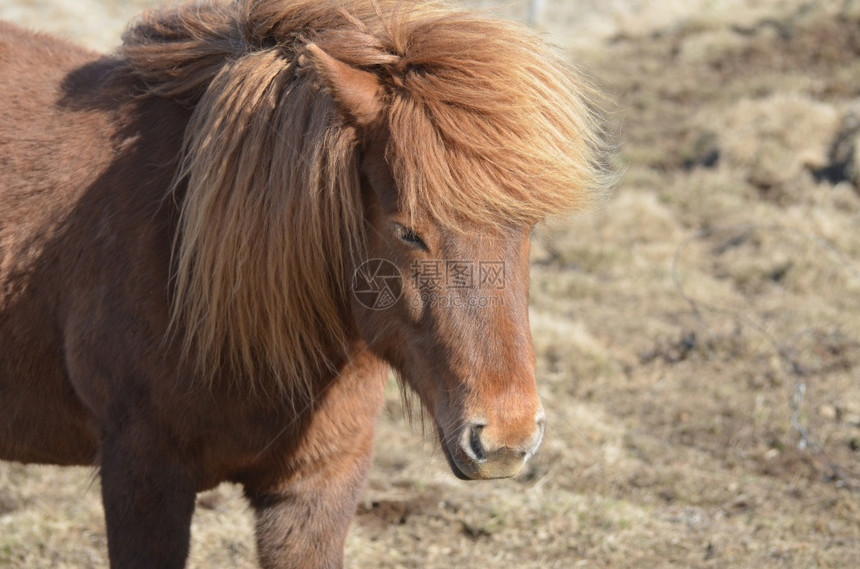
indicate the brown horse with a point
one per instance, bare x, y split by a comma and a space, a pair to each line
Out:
184, 297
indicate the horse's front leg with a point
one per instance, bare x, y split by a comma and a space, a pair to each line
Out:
148, 501
302, 521
303, 512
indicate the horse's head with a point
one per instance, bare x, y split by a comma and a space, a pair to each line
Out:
458, 332
446, 306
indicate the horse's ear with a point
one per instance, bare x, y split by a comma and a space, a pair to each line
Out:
358, 94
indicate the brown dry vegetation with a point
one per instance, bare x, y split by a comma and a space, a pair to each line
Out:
698, 338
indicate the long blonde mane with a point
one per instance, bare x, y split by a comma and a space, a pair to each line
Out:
488, 128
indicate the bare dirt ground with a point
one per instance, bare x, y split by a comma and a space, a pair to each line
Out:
698, 333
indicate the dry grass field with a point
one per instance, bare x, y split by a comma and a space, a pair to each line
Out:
698, 333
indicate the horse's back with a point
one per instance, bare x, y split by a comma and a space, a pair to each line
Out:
39, 132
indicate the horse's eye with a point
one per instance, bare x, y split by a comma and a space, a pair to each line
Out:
409, 236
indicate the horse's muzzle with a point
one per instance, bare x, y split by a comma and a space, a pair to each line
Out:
478, 452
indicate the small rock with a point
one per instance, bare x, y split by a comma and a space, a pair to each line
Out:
828, 412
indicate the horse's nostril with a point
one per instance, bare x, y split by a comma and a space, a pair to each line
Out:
475, 442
